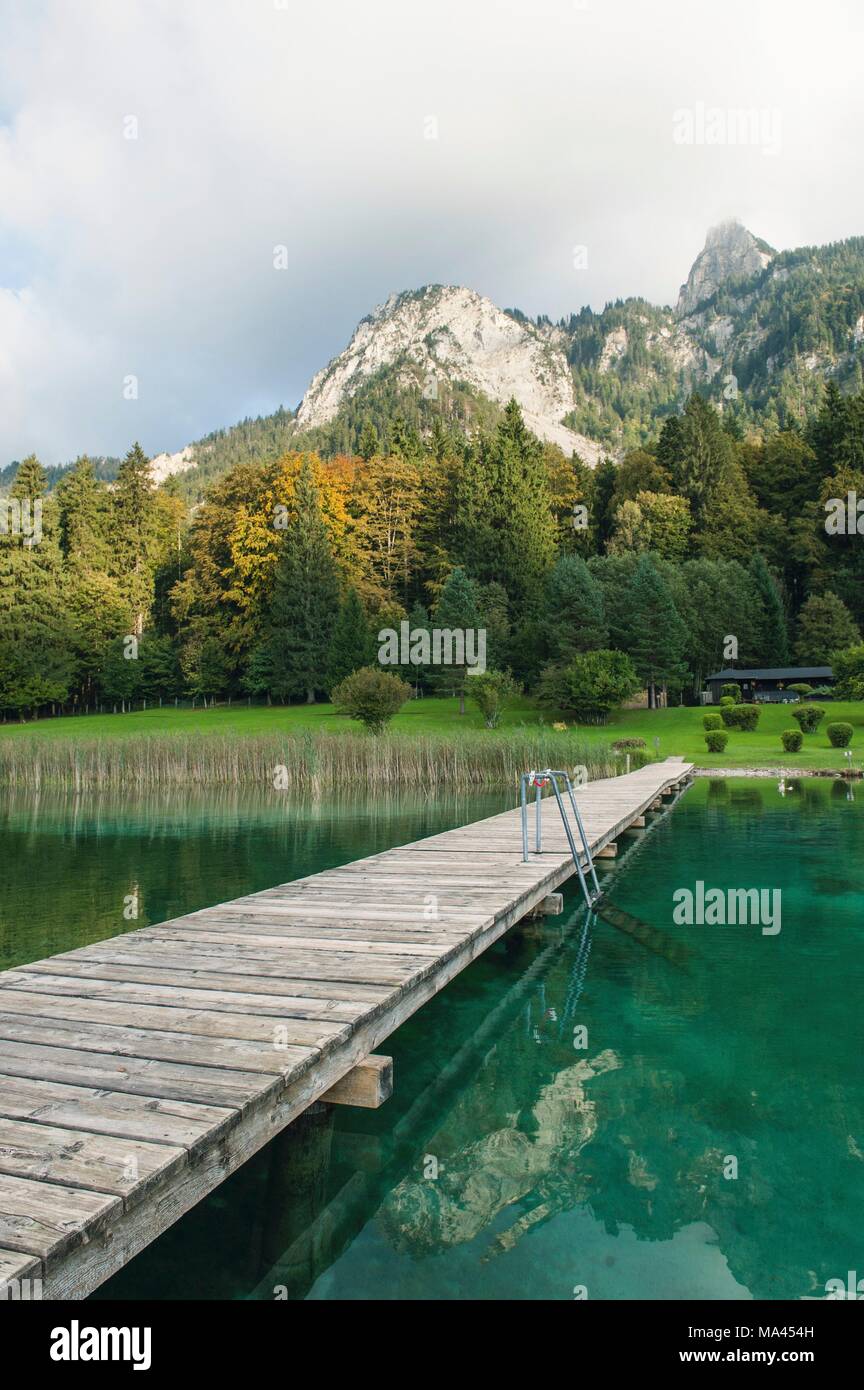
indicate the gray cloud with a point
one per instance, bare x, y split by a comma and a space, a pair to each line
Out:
305, 126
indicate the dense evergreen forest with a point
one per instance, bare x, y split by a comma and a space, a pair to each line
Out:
277, 583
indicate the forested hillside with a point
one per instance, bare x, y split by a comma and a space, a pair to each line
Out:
278, 582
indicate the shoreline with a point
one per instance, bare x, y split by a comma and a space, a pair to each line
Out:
791, 772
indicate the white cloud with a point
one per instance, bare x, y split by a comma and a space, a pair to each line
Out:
304, 126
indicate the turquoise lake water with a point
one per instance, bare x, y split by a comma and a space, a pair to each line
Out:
512, 1162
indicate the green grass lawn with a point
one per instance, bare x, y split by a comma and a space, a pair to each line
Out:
679, 731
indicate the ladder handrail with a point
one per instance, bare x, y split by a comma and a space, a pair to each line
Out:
552, 775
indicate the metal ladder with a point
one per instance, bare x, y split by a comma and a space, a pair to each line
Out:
539, 780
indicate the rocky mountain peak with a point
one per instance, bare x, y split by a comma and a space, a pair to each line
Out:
730, 251
443, 333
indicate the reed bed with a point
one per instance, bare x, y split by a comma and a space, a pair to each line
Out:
304, 761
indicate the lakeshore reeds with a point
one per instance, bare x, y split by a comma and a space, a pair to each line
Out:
301, 761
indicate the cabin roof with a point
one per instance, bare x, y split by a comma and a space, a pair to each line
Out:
774, 673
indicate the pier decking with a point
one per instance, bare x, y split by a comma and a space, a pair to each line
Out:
136, 1074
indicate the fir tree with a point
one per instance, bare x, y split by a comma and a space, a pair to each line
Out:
658, 636
504, 525
771, 635
351, 646
825, 626
827, 431
83, 520
575, 614
305, 600
603, 511
703, 455
133, 533
36, 662
457, 609
368, 445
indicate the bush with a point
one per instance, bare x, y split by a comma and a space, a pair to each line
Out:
839, 735
726, 701
371, 696
490, 692
591, 684
712, 721
716, 740
808, 717
744, 717
628, 745
800, 688
792, 740
732, 691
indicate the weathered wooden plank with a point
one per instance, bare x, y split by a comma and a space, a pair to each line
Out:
207, 1023
95, 1162
15, 1267
138, 1075
303, 965
183, 997
107, 1112
166, 1047
204, 957
291, 939
42, 1218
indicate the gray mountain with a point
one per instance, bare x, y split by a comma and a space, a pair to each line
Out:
730, 253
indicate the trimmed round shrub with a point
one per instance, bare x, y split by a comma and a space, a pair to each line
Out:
371, 696
808, 717
744, 717
716, 740
725, 701
839, 735
792, 740
628, 745
712, 721
800, 688
732, 690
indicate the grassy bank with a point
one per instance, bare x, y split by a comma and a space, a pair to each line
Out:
429, 744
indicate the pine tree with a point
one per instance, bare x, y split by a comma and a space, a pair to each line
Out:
81, 501
825, 626
368, 445
603, 512
30, 480
457, 609
827, 431
703, 455
575, 616
504, 527
771, 636
658, 637
351, 645
35, 648
305, 600
134, 533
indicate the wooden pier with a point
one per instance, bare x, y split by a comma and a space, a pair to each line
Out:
138, 1073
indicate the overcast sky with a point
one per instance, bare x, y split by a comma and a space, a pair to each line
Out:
386, 144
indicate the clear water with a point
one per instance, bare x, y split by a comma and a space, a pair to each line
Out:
509, 1162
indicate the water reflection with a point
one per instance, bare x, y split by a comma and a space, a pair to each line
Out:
565, 1112
78, 868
